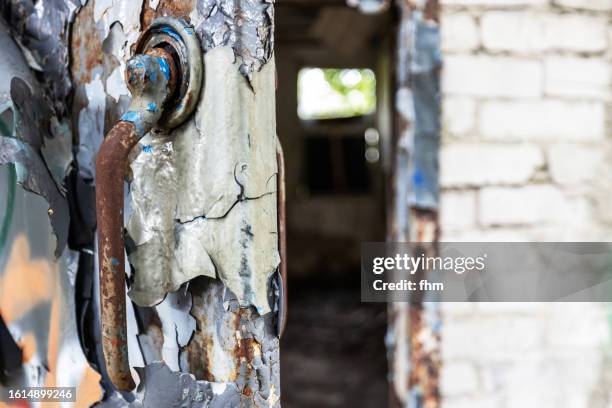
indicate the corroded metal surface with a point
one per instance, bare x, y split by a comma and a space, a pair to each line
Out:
233, 345
413, 337
151, 78
109, 205
39, 142
218, 217
282, 239
41, 28
247, 26
222, 164
37, 281
177, 35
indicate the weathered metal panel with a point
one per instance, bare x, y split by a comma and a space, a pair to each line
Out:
217, 190
202, 203
413, 336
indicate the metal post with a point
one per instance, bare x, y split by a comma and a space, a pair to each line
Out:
413, 337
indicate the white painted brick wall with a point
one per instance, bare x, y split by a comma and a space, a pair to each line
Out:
527, 116
531, 204
522, 32
545, 119
491, 76
459, 210
596, 5
577, 77
572, 164
459, 115
518, 31
579, 33
459, 378
502, 338
459, 32
479, 164
494, 3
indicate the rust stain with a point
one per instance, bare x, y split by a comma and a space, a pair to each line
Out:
110, 171
172, 8
425, 360
282, 232
425, 357
424, 227
199, 350
86, 46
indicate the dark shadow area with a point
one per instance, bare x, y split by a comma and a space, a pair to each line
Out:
332, 353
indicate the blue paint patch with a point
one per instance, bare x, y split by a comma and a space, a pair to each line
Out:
152, 74
130, 116
136, 119
171, 33
418, 178
152, 107
147, 148
138, 64
164, 67
114, 261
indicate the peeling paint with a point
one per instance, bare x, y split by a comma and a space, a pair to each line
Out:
164, 388
177, 324
40, 27
42, 148
91, 127
107, 12
247, 26
203, 198
34, 176
197, 216
233, 345
413, 336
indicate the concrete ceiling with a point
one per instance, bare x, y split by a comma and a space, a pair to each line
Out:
327, 24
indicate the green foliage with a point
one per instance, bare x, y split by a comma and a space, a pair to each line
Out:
337, 93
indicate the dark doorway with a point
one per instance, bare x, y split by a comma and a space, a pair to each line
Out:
333, 352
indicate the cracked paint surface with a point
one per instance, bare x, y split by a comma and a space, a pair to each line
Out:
204, 203
34, 140
247, 26
40, 28
203, 222
37, 303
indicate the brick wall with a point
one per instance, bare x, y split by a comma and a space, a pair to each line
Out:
527, 156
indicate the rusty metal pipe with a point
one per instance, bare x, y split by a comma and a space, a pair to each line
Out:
282, 232
110, 174
151, 78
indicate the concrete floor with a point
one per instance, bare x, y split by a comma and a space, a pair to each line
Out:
333, 353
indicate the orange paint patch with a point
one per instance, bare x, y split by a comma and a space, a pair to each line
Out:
53, 342
89, 391
25, 283
27, 344
20, 404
